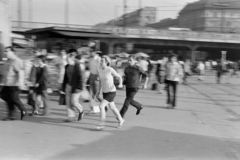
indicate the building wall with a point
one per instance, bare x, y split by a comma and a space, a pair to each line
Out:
211, 20
5, 28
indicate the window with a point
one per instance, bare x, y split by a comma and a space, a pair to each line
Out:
219, 15
235, 15
209, 14
229, 24
227, 15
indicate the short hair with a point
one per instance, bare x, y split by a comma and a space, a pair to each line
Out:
11, 48
107, 59
172, 55
78, 56
72, 50
42, 58
132, 56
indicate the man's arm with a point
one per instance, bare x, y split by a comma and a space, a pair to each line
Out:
146, 74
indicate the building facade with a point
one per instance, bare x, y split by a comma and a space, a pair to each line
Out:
5, 25
211, 16
164, 24
140, 17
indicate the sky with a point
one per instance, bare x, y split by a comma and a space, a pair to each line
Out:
91, 12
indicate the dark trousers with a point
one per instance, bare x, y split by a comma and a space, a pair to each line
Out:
186, 74
219, 75
44, 97
171, 92
10, 94
130, 93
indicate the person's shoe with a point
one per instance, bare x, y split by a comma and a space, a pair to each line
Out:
23, 114
8, 119
80, 116
69, 120
34, 113
139, 110
121, 123
100, 127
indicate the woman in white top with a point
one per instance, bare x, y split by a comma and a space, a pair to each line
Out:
106, 74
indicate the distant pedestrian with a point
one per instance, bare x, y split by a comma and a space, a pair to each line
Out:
133, 72
219, 71
201, 68
161, 74
12, 83
40, 87
173, 73
187, 70
106, 73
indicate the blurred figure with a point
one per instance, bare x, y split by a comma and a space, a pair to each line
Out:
173, 75
187, 70
133, 73
73, 86
160, 73
40, 87
12, 83
94, 64
201, 68
219, 71
61, 64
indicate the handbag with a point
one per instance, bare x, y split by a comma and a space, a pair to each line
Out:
62, 99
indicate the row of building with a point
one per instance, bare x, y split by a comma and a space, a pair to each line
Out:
203, 15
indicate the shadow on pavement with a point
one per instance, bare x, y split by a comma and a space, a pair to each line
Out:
147, 143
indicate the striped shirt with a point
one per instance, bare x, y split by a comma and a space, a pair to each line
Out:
106, 79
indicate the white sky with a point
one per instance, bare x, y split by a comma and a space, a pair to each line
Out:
90, 12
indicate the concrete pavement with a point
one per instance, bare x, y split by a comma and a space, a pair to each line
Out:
204, 126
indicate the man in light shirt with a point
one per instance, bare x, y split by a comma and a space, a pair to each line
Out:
94, 64
12, 83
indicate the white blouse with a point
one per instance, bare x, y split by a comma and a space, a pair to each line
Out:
106, 78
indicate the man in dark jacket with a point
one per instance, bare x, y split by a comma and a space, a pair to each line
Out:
73, 86
132, 77
41, 86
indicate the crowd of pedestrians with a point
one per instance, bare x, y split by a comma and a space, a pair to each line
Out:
98, 76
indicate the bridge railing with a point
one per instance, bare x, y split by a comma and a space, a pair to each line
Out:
139, 32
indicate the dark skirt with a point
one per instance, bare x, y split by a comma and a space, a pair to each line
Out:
109, 96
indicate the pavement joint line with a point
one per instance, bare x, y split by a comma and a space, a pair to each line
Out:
228, 110
232, 152
232, 94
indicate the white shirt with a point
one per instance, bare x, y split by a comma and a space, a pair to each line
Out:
143, 64
106, 79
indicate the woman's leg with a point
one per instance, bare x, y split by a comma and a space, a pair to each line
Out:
102, 106
115, 111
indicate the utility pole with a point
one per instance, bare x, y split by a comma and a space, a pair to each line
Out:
139, 4
19, 13
30, 13
115, 15
66, 12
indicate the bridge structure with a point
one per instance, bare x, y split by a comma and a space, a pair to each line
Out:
187, 43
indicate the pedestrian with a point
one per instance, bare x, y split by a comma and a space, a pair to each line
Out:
133, 73
187, 70
219, 71
106, 73
161, 75
12, 83
73, 86
40, 87
94, 63
173, 75
201, 68
61, 63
